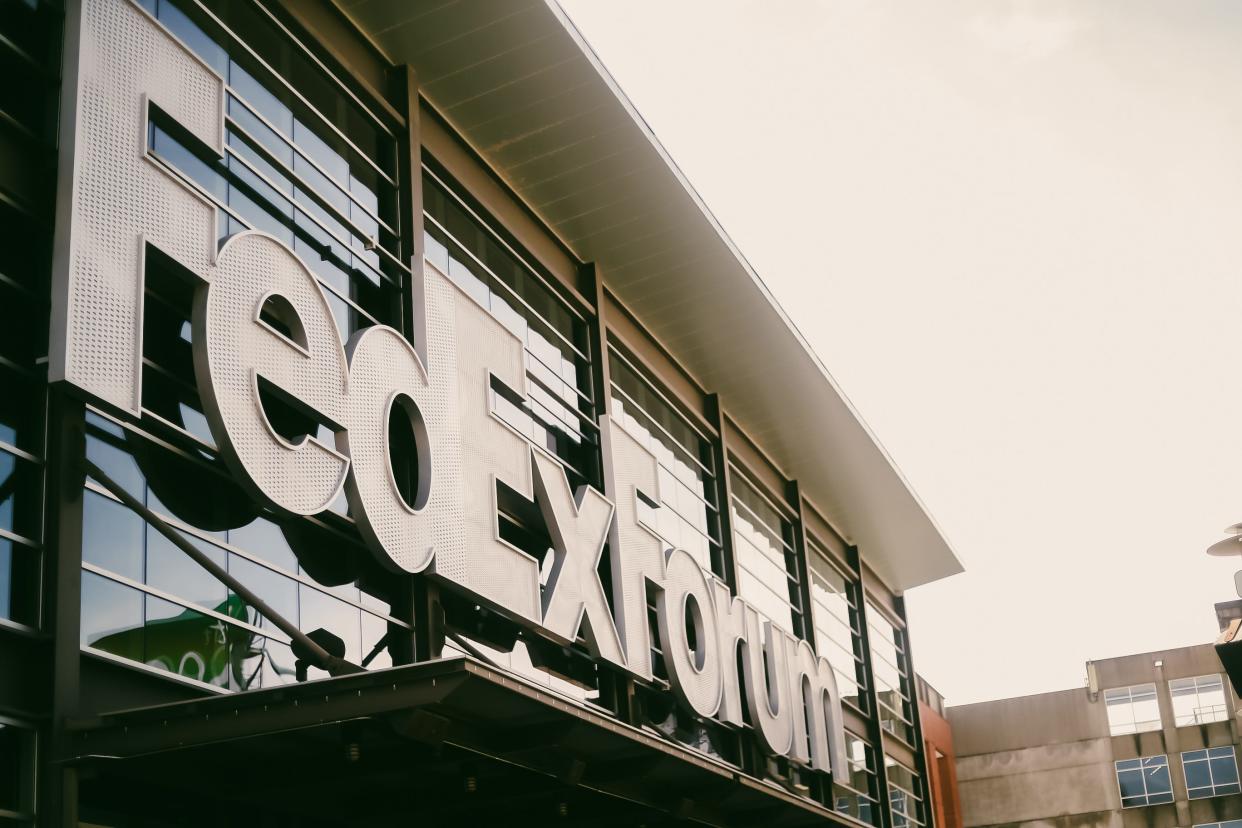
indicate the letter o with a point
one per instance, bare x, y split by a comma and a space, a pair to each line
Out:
694, 672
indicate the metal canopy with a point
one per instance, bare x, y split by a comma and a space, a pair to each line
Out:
520, 84
450, 739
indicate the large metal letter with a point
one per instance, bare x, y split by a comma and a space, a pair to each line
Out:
578, 528
114, 199
466, 347
766, 675
814, 684
685, 601
386, 375
236, 351
637, 550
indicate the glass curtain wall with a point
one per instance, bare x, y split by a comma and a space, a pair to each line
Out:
29, 61
310, 164
766, 557
890, 668
834, 611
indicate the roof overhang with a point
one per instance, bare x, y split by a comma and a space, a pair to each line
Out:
452, 739
521, 85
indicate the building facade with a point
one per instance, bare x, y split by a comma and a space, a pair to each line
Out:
389, 433
1152, 740
940, 756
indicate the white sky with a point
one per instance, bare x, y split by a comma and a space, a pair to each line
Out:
1013, 232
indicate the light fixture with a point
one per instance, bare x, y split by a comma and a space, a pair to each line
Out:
1231, 545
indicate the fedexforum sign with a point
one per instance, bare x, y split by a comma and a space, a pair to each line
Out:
117, 201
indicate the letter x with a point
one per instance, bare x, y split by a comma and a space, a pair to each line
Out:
578, 528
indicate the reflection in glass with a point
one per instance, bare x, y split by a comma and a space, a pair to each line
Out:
19, 495
688, 518
111, 617
279, 592
835, 619
264, 539
112, 536
764, 551
1144, 781
1210, 772
171, 570
341, 619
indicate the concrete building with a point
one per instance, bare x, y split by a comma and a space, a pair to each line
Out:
390, 435
1150, 741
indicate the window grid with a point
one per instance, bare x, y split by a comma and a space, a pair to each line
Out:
1132, 709
858, 796
766, 558
1229, 823
1198, 700
891, 673
904, 794
1144, 781
557, 409
834, 612
1210, 772
689, 518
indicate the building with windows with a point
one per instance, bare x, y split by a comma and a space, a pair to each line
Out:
941, 757
388, 433
1152, 740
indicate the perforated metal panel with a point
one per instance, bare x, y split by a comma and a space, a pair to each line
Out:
466, 348
385, 372
118, 199
234, 349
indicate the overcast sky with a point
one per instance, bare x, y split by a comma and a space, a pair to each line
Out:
1013, 233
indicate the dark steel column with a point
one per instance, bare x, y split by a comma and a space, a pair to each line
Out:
724, 491
793, 496
421, 605
875, 733
66, 457
920, 752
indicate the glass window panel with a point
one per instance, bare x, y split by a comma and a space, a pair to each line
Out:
19, 583
1211, 772
278, 591
264, 539
173, 571
112, 617
342, 620
112, 536
1198, 700
1144, 781
114, 462
20, 412
373, 632
1224, 771
1132, 709
20, 495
